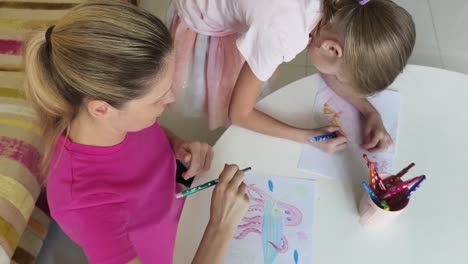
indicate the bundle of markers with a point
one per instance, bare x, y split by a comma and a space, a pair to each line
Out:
392, 193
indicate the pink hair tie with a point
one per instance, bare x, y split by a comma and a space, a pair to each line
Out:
363, 2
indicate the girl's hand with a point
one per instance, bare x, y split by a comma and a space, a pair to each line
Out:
375, 136
229, 201
197, 154
330, 145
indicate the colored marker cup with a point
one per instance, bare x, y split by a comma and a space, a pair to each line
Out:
373, 215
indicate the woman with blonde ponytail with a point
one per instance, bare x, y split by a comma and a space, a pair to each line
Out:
99, 79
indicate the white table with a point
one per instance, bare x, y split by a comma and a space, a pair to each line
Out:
433, 134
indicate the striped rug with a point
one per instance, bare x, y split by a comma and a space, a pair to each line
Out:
19, 17
23, 225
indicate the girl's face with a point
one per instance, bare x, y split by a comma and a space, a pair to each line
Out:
143, 112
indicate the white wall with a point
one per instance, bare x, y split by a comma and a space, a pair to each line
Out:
442, 36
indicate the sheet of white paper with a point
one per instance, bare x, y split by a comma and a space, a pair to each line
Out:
330, 109
278, 225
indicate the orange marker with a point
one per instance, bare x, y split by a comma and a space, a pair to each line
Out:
372, 176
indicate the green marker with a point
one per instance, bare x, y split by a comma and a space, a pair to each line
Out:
385, 205
202, 186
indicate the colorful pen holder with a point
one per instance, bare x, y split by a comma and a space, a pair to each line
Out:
374, 215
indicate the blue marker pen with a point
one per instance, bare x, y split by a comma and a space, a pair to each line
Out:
371, 193
324, 137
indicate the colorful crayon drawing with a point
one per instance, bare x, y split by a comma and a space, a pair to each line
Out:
273, 225
273, 217
330, 109
337, 112
381, 164
331, 116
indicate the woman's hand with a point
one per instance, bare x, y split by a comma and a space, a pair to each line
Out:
229, 201
198, 156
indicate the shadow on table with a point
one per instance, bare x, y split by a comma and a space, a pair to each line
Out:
358, 172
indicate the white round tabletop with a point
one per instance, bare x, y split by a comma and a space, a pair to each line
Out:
433, 123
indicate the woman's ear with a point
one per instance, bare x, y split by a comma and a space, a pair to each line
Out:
98, 109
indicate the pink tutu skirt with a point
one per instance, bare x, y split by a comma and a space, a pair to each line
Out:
207, 68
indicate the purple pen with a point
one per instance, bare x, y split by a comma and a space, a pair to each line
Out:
400, 187
412, 189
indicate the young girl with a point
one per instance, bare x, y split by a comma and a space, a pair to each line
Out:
99, 79
359, 47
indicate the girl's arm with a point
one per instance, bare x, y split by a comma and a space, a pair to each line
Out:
242, 111
360, 103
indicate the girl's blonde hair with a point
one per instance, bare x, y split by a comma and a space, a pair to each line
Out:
104, 50
378, 37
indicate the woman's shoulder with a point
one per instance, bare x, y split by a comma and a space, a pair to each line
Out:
72, 176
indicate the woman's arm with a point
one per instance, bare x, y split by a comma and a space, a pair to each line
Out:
229, 203
213, 246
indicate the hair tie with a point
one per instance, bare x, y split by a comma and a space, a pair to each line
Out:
48, 33
363, 2
47, 37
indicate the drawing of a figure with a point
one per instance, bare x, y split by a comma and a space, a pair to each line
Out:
330, 115
268, 218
